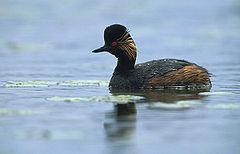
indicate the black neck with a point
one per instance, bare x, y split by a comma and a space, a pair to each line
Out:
124, 65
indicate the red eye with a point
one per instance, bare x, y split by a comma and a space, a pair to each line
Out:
114, 43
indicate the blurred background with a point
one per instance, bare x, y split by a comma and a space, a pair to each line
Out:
39, 33
47, 71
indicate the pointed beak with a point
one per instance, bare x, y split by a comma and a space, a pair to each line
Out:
101, 49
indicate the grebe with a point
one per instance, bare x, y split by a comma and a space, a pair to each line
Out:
163, 73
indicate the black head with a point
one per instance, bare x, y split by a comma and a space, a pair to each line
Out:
118, 42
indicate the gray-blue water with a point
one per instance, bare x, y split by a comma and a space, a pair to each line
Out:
53, 90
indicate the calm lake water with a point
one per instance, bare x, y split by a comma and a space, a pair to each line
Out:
53, 91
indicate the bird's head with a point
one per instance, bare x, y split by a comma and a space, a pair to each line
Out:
118, 42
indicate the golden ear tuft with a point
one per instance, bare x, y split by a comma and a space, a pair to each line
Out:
127, 44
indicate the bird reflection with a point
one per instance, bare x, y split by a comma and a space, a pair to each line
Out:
120, 123
171, 96
164, 96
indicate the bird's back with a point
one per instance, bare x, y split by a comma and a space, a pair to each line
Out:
159, 74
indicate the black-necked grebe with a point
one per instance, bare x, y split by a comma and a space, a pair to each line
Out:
163, 73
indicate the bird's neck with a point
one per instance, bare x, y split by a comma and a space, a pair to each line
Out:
124, 65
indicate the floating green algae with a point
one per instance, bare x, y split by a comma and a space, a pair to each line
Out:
67, 99
224, 106
117, 99
84, 83
113, 99
48, 83
15, 112
216, 93
192, 104
175, 106
25, 84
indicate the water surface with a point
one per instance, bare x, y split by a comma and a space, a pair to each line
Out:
54, 94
